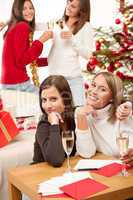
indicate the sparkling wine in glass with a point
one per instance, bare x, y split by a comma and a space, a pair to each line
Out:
122, 141
50, 24
68, 143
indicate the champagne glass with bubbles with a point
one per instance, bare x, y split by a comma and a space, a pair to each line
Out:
50, 24
68, 143
122, 141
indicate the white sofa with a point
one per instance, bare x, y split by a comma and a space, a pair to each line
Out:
20, 150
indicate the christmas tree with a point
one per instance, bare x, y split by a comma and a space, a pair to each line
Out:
114, 49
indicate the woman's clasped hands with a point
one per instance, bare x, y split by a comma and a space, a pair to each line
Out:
55, 118
66, 34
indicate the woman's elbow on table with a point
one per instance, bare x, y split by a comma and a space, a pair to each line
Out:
85, 151
56, 162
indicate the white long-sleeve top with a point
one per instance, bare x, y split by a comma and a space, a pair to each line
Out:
101, 134
63, 58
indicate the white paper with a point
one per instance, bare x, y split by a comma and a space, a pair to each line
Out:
52, 186
93, 164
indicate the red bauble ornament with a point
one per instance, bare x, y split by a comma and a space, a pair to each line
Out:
93, 61
118, 64
125, 29
86, 86
90, 67
117, 21
111, 67
121, 75
98, 45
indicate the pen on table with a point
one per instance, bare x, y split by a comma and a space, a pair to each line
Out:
87, 169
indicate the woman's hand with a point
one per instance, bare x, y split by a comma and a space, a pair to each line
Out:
54, 118
2, 25
124, 110
128, 157
85, 110
46, 36
66, 34
82, 113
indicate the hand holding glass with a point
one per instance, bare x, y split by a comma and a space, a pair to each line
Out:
122, 141
50, 24
68, 142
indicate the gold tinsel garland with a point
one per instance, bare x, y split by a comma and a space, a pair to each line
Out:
33, 66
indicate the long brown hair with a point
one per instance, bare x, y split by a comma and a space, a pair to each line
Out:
116, 86
17, 16
61, 84
84, 15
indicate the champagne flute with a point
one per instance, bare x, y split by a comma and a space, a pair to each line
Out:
50, 24
68, 143
122, 141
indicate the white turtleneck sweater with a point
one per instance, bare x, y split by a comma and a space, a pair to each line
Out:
63, 58
101, 134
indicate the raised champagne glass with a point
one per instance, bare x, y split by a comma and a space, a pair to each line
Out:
50, 24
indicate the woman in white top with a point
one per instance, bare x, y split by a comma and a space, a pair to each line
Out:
96, 122
73, 37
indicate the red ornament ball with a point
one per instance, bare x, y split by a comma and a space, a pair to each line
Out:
117, 21
93, 61
86, 86
98, 45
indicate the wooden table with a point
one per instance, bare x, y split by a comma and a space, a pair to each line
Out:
26, 179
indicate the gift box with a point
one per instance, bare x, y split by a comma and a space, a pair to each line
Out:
8, 128
1, 103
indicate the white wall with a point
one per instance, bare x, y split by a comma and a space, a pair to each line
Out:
102, 13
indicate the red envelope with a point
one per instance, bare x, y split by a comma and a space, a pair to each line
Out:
84, 188
109, 170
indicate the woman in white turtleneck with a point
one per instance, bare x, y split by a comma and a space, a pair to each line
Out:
96, 123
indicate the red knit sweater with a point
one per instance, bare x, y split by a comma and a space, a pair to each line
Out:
17, 53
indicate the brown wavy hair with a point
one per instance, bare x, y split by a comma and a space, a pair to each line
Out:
17, 16
61, 84
84, 15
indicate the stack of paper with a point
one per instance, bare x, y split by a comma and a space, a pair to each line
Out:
77, 185
51, 187
89, 164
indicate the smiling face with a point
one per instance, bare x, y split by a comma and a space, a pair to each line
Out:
28, 11
99, 93
52, 100
73, 8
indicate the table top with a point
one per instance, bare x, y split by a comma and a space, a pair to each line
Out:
27, 178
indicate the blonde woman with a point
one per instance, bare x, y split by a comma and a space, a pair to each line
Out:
96, 122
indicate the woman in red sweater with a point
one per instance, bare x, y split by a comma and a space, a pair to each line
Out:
19, 50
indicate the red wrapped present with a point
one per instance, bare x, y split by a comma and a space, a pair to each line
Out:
8, 128
1, 103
